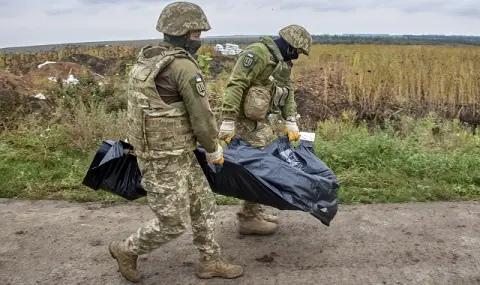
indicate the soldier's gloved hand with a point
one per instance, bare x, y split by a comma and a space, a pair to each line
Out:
227, 130
291, 129
215, 157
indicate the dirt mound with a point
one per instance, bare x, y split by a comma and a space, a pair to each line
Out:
104, 67
317, 102
39, 77
17, 100
221, 63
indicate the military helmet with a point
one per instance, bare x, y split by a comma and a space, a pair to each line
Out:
298, 37
179, 18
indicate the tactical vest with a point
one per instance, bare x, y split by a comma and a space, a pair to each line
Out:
281, 78
153, 124
263, 98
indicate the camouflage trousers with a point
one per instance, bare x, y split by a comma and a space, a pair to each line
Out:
177, 189
258, 134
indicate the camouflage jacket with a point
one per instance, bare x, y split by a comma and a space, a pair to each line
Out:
255, 66
167, 95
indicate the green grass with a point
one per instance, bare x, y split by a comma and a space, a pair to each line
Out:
402, 164
406, 164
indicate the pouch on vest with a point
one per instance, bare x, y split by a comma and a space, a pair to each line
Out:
257, 102
280, 78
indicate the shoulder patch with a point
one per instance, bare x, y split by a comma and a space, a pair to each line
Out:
248, 59
200, 85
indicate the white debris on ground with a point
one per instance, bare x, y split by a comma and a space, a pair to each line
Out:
70, 80
230, 49
40, 96
45, 63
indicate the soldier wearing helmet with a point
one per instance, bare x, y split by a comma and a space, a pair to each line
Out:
260, 89
168, 113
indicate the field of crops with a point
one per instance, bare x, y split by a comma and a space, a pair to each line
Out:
387, 80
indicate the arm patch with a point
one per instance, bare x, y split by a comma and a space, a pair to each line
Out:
198, 84
249, 59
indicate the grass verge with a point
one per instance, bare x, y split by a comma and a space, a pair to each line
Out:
406, 162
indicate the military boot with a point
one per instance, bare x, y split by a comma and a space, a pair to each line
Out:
218, 268
256, 225
127, 263
268, 217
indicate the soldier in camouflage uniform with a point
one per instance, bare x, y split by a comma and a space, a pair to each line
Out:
259, 89
168, 112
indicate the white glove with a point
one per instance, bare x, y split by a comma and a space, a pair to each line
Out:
291, 129
216, 156
227, 130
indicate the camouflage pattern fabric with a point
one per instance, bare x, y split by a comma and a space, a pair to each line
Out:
257, 133
177, 126
265, 58
298, 37
177, 189
179, 18
256, 66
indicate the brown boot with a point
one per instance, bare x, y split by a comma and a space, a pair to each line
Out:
269, 218
218, 268
272, 218
256, 225
127, 263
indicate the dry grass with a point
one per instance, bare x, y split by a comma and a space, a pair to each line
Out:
410, 80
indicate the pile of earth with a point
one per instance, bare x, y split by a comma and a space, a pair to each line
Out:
104, 67
49, 73
317, 102
221, 63
17, 100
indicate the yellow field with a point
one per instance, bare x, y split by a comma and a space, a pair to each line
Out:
404, 79
369, 78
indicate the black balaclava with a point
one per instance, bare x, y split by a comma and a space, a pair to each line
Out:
288, 52
184, 42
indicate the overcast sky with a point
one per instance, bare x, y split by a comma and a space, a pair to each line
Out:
34, 22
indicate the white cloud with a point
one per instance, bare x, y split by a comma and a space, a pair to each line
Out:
32, 22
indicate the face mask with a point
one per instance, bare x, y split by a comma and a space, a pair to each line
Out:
189, 45
192, 46
293, 53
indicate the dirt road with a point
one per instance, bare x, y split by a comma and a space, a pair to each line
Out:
49, 242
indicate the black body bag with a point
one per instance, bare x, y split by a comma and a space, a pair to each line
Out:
114, 170
280, 175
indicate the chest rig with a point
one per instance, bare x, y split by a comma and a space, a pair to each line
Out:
153, 124
280, 78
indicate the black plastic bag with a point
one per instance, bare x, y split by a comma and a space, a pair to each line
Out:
281, 176
115, 171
